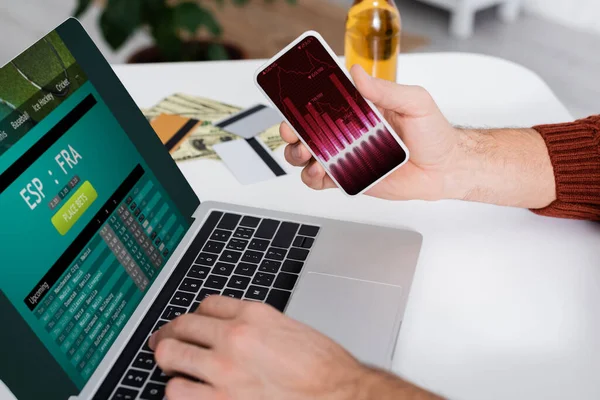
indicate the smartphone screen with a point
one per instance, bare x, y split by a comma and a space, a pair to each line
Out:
331, 116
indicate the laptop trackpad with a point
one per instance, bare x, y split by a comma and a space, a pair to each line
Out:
359, 315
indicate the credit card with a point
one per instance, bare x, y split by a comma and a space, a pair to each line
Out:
250, 161
250, 122
173, 129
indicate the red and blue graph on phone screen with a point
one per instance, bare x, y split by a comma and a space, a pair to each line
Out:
338, 125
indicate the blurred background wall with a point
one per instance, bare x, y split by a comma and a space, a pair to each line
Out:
578, 14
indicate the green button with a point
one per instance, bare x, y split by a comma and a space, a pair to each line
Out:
74, 208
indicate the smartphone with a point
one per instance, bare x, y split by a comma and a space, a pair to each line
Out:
343, 131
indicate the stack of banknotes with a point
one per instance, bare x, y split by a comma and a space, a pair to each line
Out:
198, 144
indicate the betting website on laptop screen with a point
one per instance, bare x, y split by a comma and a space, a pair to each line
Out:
85, 225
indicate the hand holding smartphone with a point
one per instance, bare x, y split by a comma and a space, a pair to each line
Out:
344, 132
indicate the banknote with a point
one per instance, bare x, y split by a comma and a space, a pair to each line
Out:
200, 141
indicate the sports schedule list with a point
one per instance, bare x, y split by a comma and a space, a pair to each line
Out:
85, 308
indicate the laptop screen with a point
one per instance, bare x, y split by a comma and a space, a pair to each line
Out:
85, 224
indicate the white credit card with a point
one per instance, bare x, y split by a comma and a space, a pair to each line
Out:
250, 161
250, 122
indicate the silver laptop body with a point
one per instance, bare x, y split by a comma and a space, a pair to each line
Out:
353, 288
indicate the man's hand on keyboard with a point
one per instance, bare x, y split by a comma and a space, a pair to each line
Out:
245, 350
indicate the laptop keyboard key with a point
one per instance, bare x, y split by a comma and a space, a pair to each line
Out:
308, 242
135, 378
204, 293
194, 307
172, 312
308, 230
285, 281
259, 244
213, 247
144, 361
278, 299
251, 222
159, 376
298, 254
198, 272
235, 294
206, 259
267, 228
252, 256
263, 279
303, 241
190, 285
237, 244
153, 391
271, 266
215, 282
182, 299
221, 235
230, 256
146, 346
229, 221
292, 266
125, 394
298, 241
276, 254
223, 269
257, 292
243, 233
158, 325
245, 269
285, 234
238, 282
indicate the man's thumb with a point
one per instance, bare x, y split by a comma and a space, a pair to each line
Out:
407, 100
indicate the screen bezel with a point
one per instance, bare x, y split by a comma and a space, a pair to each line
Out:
335, 58
129, 116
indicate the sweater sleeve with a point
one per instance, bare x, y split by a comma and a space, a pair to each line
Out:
574, 150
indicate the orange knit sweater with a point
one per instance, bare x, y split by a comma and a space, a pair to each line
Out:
574, 150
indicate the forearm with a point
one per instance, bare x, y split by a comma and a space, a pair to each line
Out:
380, 385
509, 167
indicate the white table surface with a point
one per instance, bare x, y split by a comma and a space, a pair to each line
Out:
505, 304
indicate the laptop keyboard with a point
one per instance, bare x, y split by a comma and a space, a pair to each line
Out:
239, 256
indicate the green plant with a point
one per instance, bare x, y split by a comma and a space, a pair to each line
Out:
167, 22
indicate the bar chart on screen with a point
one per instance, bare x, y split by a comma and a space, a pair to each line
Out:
338, 125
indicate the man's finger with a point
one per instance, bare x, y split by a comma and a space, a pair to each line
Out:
407, 100
184, 389
315, 177
177, 357
287, 134
297, 154
220, 307
192, 328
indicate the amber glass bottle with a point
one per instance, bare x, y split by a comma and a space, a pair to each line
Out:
373, 37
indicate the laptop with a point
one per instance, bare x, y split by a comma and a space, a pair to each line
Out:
103, 241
